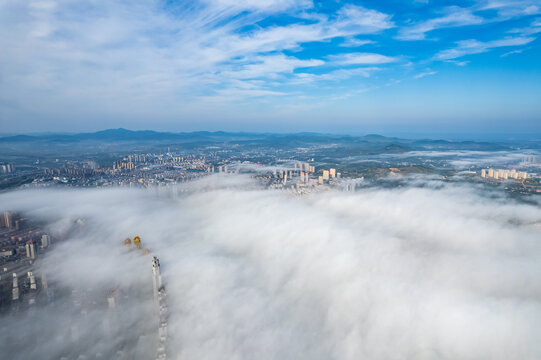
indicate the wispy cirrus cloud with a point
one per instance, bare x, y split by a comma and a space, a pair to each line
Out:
184, 48
454, 16
268, 66
362, 59
354, 42
533, 28
470, 47
360, 20
424, 74
269, 6
336, 75
513, 52
506, 9
477, 14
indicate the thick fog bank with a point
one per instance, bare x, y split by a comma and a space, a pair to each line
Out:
438, 272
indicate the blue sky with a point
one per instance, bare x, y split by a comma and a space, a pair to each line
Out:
394, 66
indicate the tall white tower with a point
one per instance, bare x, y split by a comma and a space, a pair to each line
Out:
32, 280
15, 292
33, 286
156, 276
325, 174
45, 240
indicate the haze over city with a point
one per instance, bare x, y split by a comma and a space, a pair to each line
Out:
272, 179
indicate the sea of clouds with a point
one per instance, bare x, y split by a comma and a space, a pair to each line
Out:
439, 271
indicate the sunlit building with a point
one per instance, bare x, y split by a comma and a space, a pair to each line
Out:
137, 242
30, 250
504, 174
8, 219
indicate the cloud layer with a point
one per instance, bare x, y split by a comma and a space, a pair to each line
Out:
437, 271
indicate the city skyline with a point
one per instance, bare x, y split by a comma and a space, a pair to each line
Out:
272, 66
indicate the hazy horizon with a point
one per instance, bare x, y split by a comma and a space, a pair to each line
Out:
452, 136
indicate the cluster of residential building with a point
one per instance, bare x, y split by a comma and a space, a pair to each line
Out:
503, 174
136, 161
7, 168
19, 239
328, 175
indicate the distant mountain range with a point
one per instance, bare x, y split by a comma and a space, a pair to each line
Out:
109, 135
120, 136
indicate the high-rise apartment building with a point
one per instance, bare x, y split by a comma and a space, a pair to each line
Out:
325, 174
8, 219
45, 241
30, 250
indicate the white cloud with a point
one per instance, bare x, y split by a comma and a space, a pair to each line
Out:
469, 47
268, 66
507, 9
361, 59
513, 52
336, 75
462, 159
454, 17
240, 93
441, 270
354, 42
533, 28
359, 20
458, 63
113, 56
426, 73
272, 6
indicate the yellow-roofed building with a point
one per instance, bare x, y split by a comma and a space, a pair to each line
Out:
137, 241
